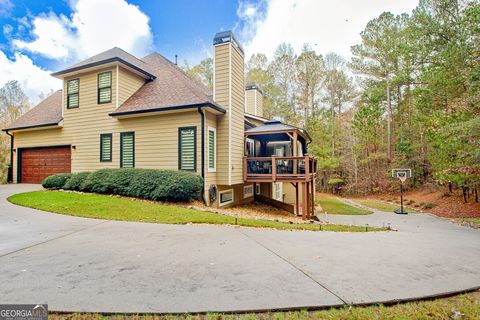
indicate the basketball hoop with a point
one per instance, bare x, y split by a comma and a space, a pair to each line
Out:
402, 175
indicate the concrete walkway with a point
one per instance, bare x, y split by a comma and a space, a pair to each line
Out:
77, 264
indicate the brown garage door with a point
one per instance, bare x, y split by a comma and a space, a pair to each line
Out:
38, 163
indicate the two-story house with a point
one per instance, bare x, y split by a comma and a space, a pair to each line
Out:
119, 111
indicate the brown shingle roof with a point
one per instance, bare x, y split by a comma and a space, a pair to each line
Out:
47, 112
171, 89
112, 55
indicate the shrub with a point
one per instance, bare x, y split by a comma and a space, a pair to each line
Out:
428, 205
160, 185
56, 181
75, 181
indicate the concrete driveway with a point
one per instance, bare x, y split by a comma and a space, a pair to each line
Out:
77, 264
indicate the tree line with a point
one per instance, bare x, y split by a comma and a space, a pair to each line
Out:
408, 98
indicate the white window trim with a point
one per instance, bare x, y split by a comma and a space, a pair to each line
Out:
248, 195
257, 189
220, 204
214, 130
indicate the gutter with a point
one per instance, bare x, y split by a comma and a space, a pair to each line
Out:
10, 176
189, 106
33, 126
202, 117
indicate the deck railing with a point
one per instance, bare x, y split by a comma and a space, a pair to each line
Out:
265, 169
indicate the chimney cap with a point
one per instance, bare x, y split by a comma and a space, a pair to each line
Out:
227, 36
253, 85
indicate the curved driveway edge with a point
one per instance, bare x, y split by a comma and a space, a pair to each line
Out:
79, 264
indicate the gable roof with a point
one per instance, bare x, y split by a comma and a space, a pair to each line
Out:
275, 126
46, 113
112, 55
171, 89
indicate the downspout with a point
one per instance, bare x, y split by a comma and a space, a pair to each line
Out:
202, 114
11, 155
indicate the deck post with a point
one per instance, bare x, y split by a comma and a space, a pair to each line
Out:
297, 211
295, 152
313, 196
304, 201
274, 169
245, 168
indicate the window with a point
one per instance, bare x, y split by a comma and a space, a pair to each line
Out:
248, 191
187, 148
249, 147
104, 83
106, 147
225, 197
72, 93
127, 150
257, 188
277, 189
212, 149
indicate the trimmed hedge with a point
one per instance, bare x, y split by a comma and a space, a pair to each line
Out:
56, 181
159, 185
75, 181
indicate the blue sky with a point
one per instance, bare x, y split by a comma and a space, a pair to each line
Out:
41, 36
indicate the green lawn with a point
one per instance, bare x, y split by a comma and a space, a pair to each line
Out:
472, 220
335, 206
126, 209
383, 206
466, 304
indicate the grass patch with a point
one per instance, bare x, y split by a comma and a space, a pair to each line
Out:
125, 209
465, 306
470, 220
383, 206
335, 206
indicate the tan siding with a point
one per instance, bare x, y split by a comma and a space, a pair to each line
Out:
250, 101
221, 97
259, 99
210, 177
238, 109
129, 83
156, 137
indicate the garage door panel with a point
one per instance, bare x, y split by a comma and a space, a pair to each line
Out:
39, 163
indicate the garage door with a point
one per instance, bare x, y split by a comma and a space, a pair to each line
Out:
38, 163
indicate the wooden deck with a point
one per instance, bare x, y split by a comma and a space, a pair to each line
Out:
279, 169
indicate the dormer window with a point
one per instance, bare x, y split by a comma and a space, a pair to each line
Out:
104, 94
72, 93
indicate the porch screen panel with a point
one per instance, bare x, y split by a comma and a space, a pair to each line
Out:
127, 150
187, 148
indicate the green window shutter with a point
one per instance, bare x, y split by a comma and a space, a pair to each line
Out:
104, 87
211, 149
106, 147
187, 148
127, 150
72, 93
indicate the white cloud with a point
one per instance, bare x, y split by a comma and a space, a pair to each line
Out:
326, 25
93, 27
34, 80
